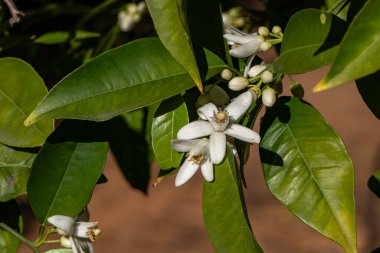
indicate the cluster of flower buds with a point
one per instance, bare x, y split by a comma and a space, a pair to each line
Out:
131, 15
234, 17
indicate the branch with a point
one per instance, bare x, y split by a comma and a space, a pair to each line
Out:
16, 14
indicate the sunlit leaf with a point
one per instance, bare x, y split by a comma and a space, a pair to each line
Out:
171, 26
359, 51
63, 177
14, 172
224, 211
59, 37
123, 79
307, 168
21, 88
169, 118
310, 41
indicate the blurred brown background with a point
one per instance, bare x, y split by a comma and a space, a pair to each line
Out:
169, 219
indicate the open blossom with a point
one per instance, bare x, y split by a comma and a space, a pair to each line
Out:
219, 123
198, 157
81, 234
244, 45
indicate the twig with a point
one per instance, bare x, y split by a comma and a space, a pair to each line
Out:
16, 14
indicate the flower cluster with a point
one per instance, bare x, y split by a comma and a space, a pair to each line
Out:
130, 16
216, 124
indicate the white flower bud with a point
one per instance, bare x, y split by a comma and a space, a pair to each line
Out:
65, 242
263, 30
268, 97
227, 74
265, 46
238, 83
141, 7
267, 76
256, 70
131, 8
276, 29
217, 95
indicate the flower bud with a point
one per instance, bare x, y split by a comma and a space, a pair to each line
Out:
267, 76
269, 97
263, 30
265, 46
227, 74
141, 7
65, 242
238, 83
132, 8
217, 95
256, 70
297, 90
276, 30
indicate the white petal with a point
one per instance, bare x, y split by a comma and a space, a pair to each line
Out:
269, 97
81, 228
195, 130
207, 169
183, 145
240, 105
75, 245
246, 49
199, 147
217, 147
186, 171
206, 112
240, 39
64, 223
85, 246
243, 133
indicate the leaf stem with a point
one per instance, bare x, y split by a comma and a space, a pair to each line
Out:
20, 237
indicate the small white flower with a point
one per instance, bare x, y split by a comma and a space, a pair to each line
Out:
269, 97
198, 157
263, 30
265, 46
226, 74
267, 76
244, 45
219, 124
80, 233
256, 70
238, 83
276, 30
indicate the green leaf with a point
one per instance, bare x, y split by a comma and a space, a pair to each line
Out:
374, 183
369, 89
21, 88
358, 53
14, 172
169, 118
172, 29
64, 176
123, 79
310, 41
11, 216
307, 168
59, 37
224, 211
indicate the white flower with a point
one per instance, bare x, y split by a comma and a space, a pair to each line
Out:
244, 45
81, 234
267, 76
219, 124
269, 97
198, 157
256, 70
238, 83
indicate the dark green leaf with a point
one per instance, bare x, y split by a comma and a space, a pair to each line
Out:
11, 216
358, 54
59, 37
224, 211
170, 25
369, 89
169, 118
310, 41
307, 168
21, 88
14, 172
121, 80
374, 183
64, 176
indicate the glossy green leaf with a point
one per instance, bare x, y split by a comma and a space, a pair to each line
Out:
171, 26
169, 118
63, 177
21, 88
59, 37
224, 211
310, 41
369, 89
14, 172
11, 216
123, 79
307, 168
374, 183
359, 51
